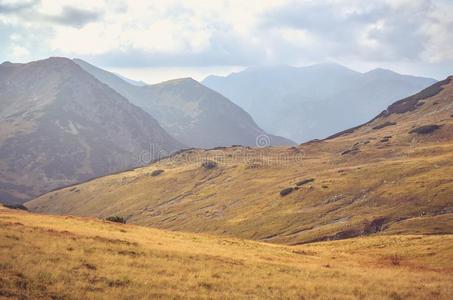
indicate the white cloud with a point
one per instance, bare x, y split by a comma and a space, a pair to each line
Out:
20, 52
232, 32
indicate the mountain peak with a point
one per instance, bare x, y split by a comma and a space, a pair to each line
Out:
330, 65
381, 71
186, 81
57, 64
58, 59
65, 112
55, 60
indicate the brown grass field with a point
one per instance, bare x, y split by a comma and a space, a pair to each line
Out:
57, 257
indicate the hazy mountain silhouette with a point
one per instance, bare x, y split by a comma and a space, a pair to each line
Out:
60, 125
305, 103
192, 113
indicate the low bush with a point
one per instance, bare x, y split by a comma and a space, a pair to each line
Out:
427, 129
350, 151
156, 172
116, 219
286, 191
15, 206
395, 260
386, 124
209, 164
304, 182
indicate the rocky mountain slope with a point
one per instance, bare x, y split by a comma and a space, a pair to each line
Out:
314, 102
393, 175
59, 125
192, 113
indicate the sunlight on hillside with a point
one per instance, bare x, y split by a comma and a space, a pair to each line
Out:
75, 258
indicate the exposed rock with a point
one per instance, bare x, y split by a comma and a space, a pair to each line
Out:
427, 129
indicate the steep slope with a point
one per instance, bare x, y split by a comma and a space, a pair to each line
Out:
49, 257
195, 115
314, 102
59, 125
391, 175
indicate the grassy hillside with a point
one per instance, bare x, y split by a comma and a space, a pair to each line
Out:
55, 257
393, 175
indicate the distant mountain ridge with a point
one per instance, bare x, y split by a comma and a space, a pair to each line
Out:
313, 102
192, 113
59, 125
392, 175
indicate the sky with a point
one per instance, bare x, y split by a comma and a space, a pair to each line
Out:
159, 40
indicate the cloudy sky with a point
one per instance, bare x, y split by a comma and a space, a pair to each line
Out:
163, 39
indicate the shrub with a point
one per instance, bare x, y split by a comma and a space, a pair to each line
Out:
156, 172
304, 182
209, 164
386, 124
219, 148
116, 219
374, 226
395, 260
350, 151
286, 191
15, 206
427, 129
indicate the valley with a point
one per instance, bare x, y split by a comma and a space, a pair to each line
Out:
383, 177
226, 149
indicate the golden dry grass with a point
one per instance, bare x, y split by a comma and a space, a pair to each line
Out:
399, 183
53, 257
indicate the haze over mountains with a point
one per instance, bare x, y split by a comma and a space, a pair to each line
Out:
393, 175
232, 164
305, 103
192, 113
65, 121
59, 125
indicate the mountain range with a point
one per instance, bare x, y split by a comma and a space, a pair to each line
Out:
64, 121
101, 171
59, 125
391, 175
306, 103
192, 113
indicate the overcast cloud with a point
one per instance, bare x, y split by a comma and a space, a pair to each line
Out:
411, 36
